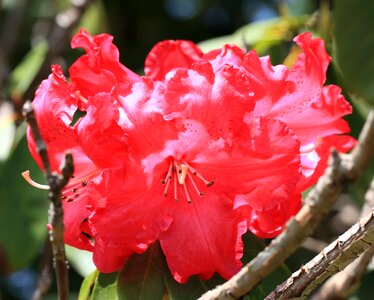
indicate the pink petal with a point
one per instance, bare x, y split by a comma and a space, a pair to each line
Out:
341, 143
269, 223
54, 107
127, 216
204, 238
263, 163
168, 55
227, 55
99, 130
99, 70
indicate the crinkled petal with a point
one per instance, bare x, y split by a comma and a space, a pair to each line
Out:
141, 117
269, 82
204, 238
263, 163
219, 100
128, 216
100, 134
99, 70
269, 223
321, 153
54, 108
227, 55
170, 54
307, 99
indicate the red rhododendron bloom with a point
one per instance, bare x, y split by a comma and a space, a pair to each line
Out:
194, 153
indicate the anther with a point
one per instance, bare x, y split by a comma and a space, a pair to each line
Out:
197, 174
175, 182
187, 194
166, 188
194, 185
27, 177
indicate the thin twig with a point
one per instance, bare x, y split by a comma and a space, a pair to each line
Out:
45, 273
343, 284
56, 183
65, 22
317, 204
331, 260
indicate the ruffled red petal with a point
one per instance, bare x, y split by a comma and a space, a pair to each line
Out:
168, 55
54, 107
99, 133
204, 238
99, 70
127, 216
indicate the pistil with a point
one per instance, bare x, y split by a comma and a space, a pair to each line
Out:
183, 174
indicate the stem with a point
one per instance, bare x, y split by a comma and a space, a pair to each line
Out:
56, 183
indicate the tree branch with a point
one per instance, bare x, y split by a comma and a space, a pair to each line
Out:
333, 259
343, 284
317, 204
56, 183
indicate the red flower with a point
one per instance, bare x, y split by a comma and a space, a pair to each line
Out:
192, 154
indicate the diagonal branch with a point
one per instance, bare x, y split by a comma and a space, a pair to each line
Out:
331, 260
343, 284
56, 183
317, 204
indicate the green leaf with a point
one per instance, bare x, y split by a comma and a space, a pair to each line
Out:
80, 260
87, 286
142, 276
105, 287
259, 35
25, 72
252, 246
353, 25
23, 209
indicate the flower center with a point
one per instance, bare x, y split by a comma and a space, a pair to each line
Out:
181, 173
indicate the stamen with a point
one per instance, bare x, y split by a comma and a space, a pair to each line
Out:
168, 175
194, 185
80, 97
186, 193
175, 181
167, 187
183, 173
27, 177
197, 174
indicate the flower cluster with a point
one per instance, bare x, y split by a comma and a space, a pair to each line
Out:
202, 148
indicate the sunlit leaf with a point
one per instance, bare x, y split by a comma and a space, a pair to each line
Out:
80, 260
87, 286
23, 75
259, 35
105, 287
